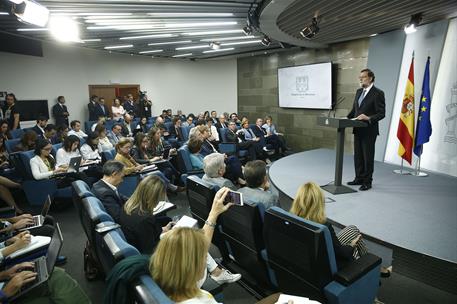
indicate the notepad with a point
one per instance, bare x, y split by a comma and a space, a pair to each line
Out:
149, 168
186, 221
283, 299
36, 242
162, 206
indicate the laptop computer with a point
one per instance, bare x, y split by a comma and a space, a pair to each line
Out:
44, 266
74, 164
38, 220
166, 153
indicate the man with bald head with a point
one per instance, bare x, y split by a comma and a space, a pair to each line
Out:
221, 124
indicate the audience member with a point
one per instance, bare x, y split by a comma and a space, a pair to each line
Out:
123, 148
76, 129
106, 188
196, 159
180, 115
60, 112
49, 133
269, 139
145, 106
104, 142
41, 123
91, 107
309, 203
61, 134
251, 146
142, 126
176, 130
127, 126
101, 109
214, 168
258, 190
178, 264
221, 124
5, 130
157, 144
27, 142
10, 113
101, 121
214, 117
91, 149
235, 119
115, 134
5, 194
70, 149
117, 109
189, 122
130, 106
213, 134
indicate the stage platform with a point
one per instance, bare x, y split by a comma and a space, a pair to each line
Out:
414, 216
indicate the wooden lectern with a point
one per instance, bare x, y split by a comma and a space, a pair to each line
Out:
339, 124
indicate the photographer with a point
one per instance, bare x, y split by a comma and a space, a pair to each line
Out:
145, 105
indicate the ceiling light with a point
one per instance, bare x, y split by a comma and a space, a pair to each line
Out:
32, 12
156, 25
4, 13
124, 46
247, 30
64, 29
171, 15
228, 38
372, 35
148, 52
17, 1
182, 55
266, 41
309, 31
416, 19
219, 50
147, 36
91, 40
215, 45
170, 42
35, 29
241, 42
201, 46
212, 33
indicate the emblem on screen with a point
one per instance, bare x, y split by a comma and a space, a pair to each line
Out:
302, 83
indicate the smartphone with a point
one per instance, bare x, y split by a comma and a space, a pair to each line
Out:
234, 197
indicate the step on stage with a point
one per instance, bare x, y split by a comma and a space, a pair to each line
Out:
416, 217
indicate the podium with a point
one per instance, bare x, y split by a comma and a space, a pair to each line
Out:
339, 124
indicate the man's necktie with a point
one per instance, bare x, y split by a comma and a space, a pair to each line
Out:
362, 96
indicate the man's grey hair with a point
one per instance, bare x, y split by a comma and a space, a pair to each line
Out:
111, 167
213, 163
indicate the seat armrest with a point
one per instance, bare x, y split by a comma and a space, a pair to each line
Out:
357, 269
195, 172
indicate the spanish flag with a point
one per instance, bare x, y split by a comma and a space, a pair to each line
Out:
405, 132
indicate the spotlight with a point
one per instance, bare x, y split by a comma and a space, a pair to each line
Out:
215, 45
31, 12
64, 29
416, 19
247, 30
310, 31
266, 40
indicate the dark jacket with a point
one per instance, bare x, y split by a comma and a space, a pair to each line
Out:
258, 131
343, 253
121, 277
177, 133
138, 156
374, 106
141, 231
57, 112
219, 125
38, 131
112, 202
91, 108
98, 111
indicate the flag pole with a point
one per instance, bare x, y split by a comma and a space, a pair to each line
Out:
401, 171
418, 169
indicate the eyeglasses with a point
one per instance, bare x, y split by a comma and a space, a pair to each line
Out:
47, 149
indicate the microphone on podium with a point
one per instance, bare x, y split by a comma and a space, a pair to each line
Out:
339, 101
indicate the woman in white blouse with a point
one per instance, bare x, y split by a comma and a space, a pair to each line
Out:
214, 135
117, 110
103, 140
43, 165
70, 149
91, 149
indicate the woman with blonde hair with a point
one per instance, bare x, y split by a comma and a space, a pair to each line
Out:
309, 203
179, 263
141, 228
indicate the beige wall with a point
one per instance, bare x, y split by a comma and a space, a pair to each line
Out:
258, 91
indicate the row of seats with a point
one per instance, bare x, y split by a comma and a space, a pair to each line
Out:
284, 252
109, 245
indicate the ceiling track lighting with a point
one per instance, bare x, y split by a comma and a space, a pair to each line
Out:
31, 12
310, 31
215, 45
266, 41
247, 30
415, 21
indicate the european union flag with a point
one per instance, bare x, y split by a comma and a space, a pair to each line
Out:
424, 127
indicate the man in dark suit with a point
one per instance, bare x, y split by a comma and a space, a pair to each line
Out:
101, 110
369, 106
91, 107
106, 188
176, 129
271, 140
221, 124
241, 144
129, 105
49, 133
60, 112
41, 123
